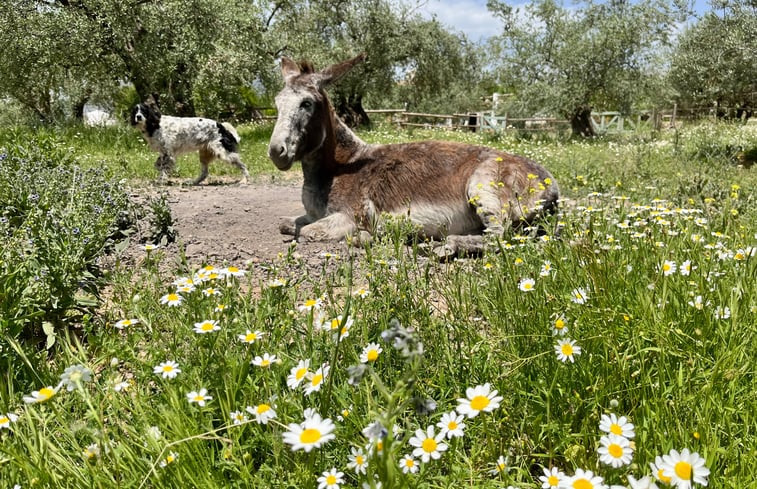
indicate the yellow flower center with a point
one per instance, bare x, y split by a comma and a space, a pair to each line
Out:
616, 429
359, 460
666, 267
265, 363
344, 331
552, 480
615, 450
4, 420
372, 355
207, 326
331, 480
452, 425
479, 402
199, 398
173, 297
664, 478
683, 470
429, 445
168, 368
559, 324
310, 303
233, 269
300, 373
310, 435
528, 285
250, 337
409, 462
567, 349
169, 459
317, 379
583, 484
263, 408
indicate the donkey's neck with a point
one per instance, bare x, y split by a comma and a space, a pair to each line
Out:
340, 147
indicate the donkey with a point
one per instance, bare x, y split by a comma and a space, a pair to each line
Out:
447, 189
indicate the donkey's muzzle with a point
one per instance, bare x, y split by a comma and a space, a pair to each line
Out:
279, 154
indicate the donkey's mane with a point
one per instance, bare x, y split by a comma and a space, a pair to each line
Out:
306, 66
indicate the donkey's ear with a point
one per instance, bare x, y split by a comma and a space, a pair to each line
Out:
289, 69
334, 72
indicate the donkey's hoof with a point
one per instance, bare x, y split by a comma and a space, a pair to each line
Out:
288, 227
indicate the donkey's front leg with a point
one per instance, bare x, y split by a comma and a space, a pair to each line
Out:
333, 227
291, 226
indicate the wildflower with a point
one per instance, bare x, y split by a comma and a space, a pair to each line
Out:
656, 467
613, 425
668, 267
207, 326
168, 369
312, 304
355, 373
478, 399
409, 465
552, 478
315, 379
121, 386
526, 284
263, 412
210, 291
250, 337
684, 468
340, 326
153, 433
499, 466
171, 300
560, 327
170, 458
125, 323
579, 296
220, 308
265, 361
451, 425
238, 417
232, 272
584, 479
428, 444
644, 483
723, 312
331, 479
199, 397
615, 450
362, 293
546, 269
298, 373
185, 289
311, 433
150, 247
567, 349
276, 283
697, 303
685, 268
370, 353
74, 376
6, 420
92, 451
358, 461
42, 395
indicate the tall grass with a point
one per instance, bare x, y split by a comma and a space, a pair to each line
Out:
652, 276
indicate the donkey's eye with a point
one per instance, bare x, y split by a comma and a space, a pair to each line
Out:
306, 104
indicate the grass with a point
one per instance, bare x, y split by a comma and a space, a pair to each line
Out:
657, 344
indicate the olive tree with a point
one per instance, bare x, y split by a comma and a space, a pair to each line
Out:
567, 60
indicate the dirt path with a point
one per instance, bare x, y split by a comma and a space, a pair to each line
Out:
237, 224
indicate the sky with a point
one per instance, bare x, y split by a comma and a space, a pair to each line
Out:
472, 18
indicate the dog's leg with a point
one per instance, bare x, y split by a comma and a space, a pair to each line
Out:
235, 160
164, 164
205, 158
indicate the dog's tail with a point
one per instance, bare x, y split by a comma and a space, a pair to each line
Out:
229, 137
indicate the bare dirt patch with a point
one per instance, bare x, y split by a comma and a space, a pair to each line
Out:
235, 224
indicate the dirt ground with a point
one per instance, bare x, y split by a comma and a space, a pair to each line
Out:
224, 222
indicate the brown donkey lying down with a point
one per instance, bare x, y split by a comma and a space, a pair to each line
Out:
448, 189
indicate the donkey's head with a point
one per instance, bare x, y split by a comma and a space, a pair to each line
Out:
305, 115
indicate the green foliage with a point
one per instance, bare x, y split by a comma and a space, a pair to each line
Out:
56, 223
161, 221
714, 59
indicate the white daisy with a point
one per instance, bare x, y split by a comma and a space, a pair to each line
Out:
199, 397
265, 361
207, 326
238, 417
124, 323
612, 424
250, 337
684, 468
686, 268
451, 425
312, 433
74, 376
371, 353
567, 349
428, 445
409, 465
170, 458
560, 326
579, 296
499, 466
584, 479
546, 269
357, 461
668, 268
722, 312
526, 284
312, 304
232, 272
315, 379
6, 420
168, 369
263, 412
478, 399
298, 373
552, 478
42, 395
615, 450
171, 300
645, 482
331, 479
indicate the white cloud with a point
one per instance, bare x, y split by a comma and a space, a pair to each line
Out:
467, 16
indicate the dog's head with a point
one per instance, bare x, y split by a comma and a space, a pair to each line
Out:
146, 116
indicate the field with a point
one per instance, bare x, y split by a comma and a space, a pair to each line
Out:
377, 367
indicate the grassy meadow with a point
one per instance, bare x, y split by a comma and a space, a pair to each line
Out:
389, 369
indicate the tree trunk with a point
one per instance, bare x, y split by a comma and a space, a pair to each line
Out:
580, 122
350, 109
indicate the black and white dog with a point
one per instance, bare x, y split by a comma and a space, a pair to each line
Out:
174, 136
